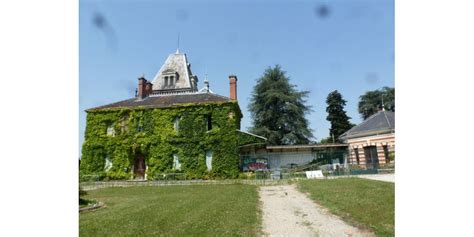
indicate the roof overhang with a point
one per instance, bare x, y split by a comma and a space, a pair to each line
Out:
307, 147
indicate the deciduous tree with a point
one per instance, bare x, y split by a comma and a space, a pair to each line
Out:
371, 101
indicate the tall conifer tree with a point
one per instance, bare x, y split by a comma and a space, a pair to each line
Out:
336, 115
278, 110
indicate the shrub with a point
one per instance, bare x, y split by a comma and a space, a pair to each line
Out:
246, 175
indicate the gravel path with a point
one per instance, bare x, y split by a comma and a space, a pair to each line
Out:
288, 212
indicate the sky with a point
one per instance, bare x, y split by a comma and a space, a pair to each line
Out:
344, 45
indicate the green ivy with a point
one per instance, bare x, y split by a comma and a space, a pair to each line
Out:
151, 132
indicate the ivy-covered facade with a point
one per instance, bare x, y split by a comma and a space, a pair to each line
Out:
169, 127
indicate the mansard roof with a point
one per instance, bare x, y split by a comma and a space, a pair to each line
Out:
164, 101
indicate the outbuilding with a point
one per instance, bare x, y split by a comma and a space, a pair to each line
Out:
372, 143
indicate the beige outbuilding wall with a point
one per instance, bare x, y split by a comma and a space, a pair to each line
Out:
379, 141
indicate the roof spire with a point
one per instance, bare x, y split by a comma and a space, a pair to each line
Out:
206, 82
177, 50
206, 85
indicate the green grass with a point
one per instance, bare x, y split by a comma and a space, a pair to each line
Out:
358, 201
191, 210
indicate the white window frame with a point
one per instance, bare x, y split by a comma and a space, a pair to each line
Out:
111, 130
176, 164
209, 160
176, 123
108, 164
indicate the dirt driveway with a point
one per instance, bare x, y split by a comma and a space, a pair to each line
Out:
288, 212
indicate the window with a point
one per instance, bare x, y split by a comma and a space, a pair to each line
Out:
176, 123
111, 130
371, 157
176, 164
166, 81
385, 152
140, 127
171, 80
209, 123
108, 164
356, 151
209, 160
124, 124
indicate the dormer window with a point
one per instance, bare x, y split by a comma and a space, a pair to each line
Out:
170, 78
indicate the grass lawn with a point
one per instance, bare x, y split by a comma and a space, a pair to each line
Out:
188, 210
367, 202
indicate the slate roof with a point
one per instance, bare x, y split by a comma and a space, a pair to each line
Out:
165, 101
379, 123
176, 63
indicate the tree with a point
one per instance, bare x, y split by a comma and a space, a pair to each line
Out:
278, 110
336, 115
371, 102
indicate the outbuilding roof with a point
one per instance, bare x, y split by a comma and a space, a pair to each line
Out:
305, 146
164, 101
379, 123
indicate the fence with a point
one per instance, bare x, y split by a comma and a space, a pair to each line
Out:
87, 186
328, 170
258, 177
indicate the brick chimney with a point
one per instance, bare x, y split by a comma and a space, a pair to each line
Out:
142, 87
233, 87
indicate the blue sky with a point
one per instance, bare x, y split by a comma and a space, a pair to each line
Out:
322, 45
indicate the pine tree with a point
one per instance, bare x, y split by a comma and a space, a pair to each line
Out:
336, 115
278, 110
